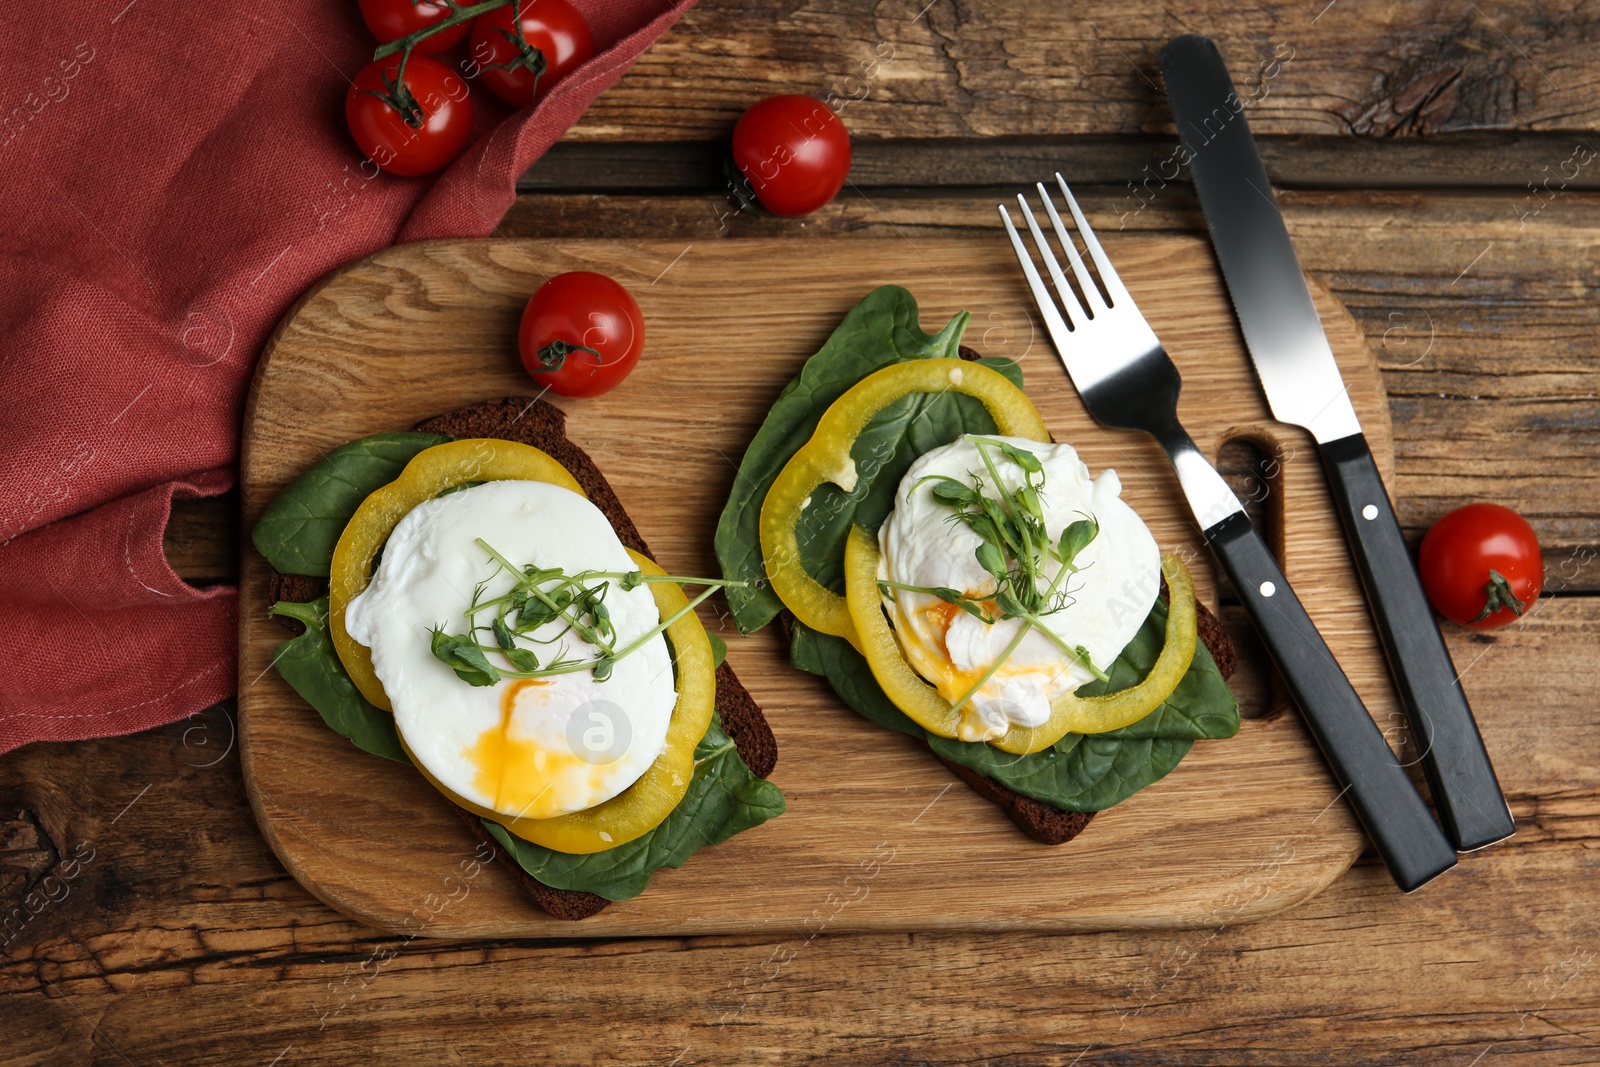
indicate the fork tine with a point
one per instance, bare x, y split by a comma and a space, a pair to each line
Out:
1108, 274
1069, 300
1057, 327
1080, 269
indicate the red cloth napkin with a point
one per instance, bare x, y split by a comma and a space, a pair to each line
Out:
177, 174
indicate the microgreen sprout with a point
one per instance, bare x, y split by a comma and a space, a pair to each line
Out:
538, 597
1014, 549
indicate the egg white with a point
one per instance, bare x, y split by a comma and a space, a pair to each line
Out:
1118, 580
523, 748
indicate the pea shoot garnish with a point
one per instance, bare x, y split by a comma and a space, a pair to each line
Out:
1014, 549
538, 597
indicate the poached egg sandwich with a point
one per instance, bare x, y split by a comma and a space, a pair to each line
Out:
493, 619
960, 578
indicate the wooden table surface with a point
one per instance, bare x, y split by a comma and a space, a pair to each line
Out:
1437, 166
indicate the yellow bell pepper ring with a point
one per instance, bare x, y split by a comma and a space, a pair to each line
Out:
1069, 713
826, 458
642, 806
430, 472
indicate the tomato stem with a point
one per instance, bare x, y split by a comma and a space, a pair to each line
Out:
397, 94
553, 356
738, 184
1501, 597
527, 57
457, 16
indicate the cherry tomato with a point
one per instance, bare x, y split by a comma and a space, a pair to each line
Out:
1481, 566
581, 334
558, 40
794, 151
436, 99
390, 20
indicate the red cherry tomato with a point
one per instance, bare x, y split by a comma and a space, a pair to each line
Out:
390, 20
1481, 566
581, 334
558, 40
435, 99
794, 151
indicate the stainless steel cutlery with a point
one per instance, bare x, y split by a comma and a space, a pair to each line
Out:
1128, 382
1303, 386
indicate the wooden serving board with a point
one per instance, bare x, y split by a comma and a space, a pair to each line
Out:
878, 836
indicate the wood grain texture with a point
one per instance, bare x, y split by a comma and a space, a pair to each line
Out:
1247, 826
1499, 356
1482, 315
956, 69
184, 941
1511, 161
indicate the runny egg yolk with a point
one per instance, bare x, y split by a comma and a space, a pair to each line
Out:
939, 616
1103, 600
525, 752
523, 777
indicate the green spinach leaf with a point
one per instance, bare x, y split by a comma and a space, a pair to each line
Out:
888, 445
881, 330
1201, 708
1079, 772
298, 531
310, 665
724, 799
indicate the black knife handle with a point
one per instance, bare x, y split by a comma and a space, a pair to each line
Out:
1465, 790
1388, 805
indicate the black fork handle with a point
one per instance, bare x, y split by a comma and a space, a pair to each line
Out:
1388, 805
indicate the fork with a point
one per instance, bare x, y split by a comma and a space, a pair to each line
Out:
1128, 382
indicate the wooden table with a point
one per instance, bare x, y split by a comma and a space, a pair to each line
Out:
1436, 165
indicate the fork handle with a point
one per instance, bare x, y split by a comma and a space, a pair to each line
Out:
1460, 776
1388, 805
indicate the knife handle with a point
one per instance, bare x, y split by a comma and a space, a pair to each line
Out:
1388, 805
1460, 776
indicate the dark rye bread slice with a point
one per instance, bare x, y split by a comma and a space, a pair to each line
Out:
531, 421
1052, 826
1040, 821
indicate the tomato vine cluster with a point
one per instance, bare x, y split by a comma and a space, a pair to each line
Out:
412, 114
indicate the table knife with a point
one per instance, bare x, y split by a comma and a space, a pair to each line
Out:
1128, 382
1303, 385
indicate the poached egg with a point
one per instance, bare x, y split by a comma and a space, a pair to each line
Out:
1109, 597
523, 747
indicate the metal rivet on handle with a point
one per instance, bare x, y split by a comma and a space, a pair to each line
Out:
1369, 512
1267, 589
